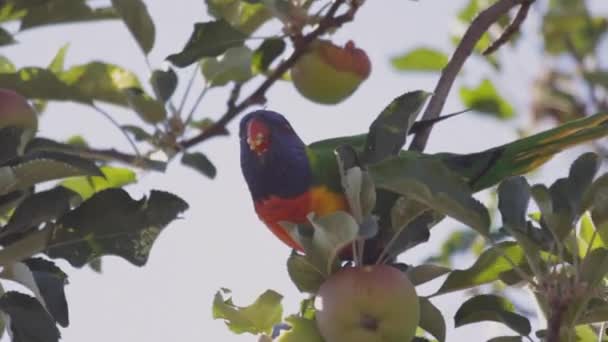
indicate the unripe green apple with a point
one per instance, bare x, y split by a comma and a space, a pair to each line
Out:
367, 304
16, 111
328, 74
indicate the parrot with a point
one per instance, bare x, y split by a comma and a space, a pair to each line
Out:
288, 179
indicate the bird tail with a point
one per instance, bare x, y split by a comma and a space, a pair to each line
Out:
486, 168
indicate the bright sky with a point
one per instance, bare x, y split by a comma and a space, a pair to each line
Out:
220, 242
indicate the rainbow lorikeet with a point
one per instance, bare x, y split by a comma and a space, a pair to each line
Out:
288, 179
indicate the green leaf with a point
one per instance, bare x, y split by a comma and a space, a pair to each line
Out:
40, 83
234, 65
491, 308
101, 81
420, 59
487, 268
29, 321
164, 83
387, 133
323, 243
594, 267
6, 38
39, 167
6, 66
358, 186
513, 199
200, 163
58, 62
302, 330
245, 16
595, 312
424, 273
598, 77
46, 281
135, 15
428, 181
431, 319
256, 318
568, 25
148, 108
111, 222
208, 39
38, 208
63, 11
304, 274
87, 186
138, 133
266, 53
485, 98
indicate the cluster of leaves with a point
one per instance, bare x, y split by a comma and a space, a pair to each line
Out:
80, 218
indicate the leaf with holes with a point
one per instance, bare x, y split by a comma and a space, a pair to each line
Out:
112, 223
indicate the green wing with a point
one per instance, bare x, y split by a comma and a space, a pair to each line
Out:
482, 169
487, 168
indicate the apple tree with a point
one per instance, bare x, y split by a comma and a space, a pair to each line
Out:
65, 199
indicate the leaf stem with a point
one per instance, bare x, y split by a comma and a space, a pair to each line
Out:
115, 123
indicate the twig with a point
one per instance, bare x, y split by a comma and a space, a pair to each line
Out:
301, 43
125, 158
115, 123
188, 88
473, 34
511, 29
196, 104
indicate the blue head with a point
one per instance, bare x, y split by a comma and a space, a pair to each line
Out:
273, 157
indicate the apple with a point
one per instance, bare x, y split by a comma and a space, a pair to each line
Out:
367, 304
15, 111
328, 74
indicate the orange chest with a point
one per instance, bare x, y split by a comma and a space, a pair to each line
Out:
318, 200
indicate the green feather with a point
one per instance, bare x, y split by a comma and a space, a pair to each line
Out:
482, 169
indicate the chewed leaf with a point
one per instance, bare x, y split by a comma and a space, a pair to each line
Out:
111, 222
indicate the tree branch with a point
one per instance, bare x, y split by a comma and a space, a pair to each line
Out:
473, 34
301, 44
511, 29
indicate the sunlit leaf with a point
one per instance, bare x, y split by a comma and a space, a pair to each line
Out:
256, 318
87, 186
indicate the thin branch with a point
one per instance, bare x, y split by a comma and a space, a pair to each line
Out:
473, 34
511, 29
110, 155
196, 104
115, 123
188, 88
301, 43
